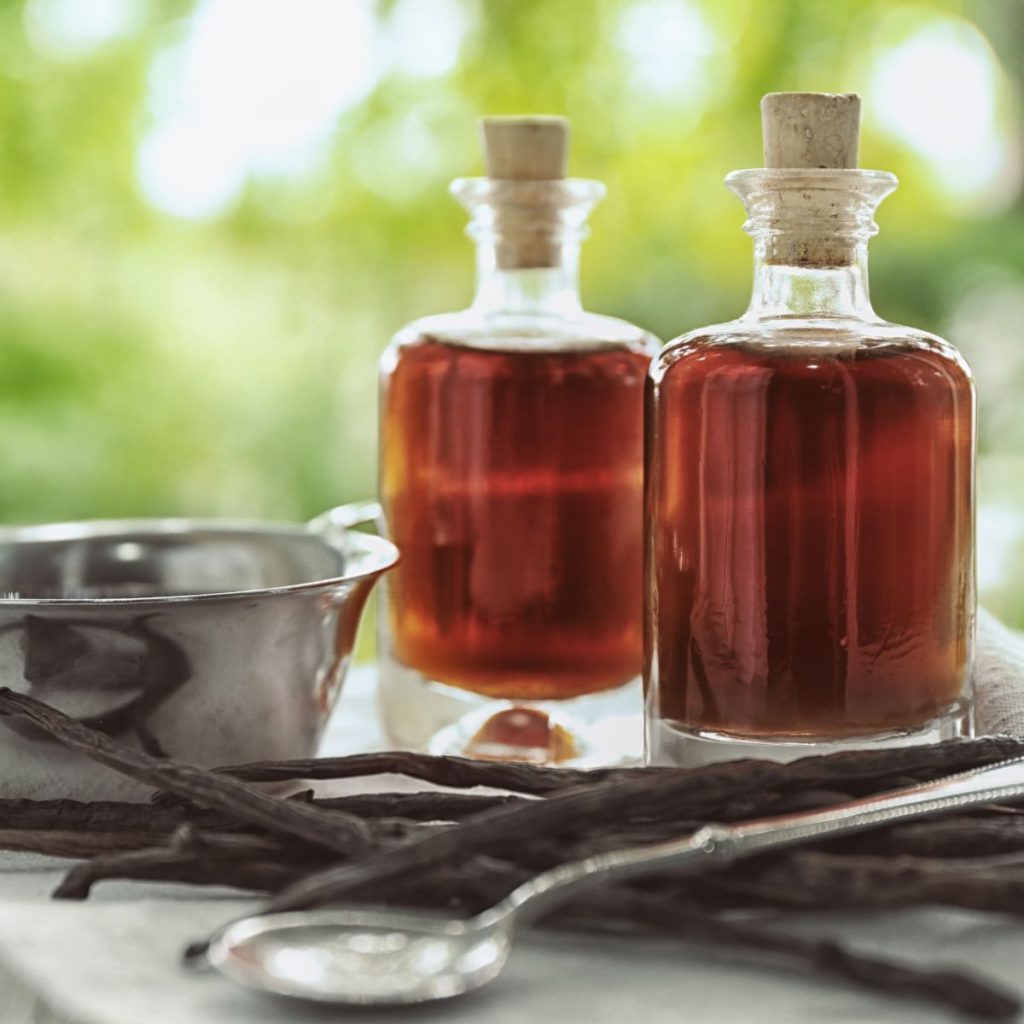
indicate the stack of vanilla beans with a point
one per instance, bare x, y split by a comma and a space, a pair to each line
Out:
459, 850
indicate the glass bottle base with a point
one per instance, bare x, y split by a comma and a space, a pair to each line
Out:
416, 712
670, 743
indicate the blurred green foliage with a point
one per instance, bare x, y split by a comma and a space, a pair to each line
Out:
153, 364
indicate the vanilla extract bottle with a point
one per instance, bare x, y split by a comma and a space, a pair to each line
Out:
511, 479
810, 487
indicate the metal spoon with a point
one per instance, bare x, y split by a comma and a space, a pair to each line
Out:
387, 957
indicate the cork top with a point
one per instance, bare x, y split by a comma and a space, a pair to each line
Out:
807, 217
525, 148
526, 159
810, 129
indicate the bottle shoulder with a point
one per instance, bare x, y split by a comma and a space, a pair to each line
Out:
513, 333
794, 340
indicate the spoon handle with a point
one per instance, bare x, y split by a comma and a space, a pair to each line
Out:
714, 845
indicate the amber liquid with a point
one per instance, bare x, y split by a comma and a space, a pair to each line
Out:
811, 559
512, 483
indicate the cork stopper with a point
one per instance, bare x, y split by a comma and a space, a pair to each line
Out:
522, 150
525, 148
810, 129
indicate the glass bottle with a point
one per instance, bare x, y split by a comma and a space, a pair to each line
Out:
809, 498
511, 478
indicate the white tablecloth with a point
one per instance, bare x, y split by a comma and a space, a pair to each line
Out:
115, 958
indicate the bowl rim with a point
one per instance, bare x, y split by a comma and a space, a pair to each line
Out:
378, 552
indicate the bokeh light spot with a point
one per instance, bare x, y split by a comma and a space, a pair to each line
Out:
69, 29
424, 37
668, 43
252, 87
937, 92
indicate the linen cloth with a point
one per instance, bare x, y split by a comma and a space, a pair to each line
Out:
115, 958
998, 679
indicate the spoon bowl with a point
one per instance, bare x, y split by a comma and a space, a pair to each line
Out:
360, 956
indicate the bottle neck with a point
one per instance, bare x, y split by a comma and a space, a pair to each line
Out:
528, 236
537, 291
811, 228
786, 290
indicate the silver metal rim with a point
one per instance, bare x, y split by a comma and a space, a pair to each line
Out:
375, 555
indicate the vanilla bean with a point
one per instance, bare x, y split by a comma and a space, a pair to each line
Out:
385, 813
940, 838
242, 860
334, 829
698, 794
226, 845
76, 843
962, 836
427, 805
952, 988
455, 772
811, 878
98, 816
255, 863
180, 866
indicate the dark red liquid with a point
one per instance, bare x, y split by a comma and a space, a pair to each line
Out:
811, 560
512, 484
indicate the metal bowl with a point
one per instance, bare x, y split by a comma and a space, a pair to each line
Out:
207, 641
